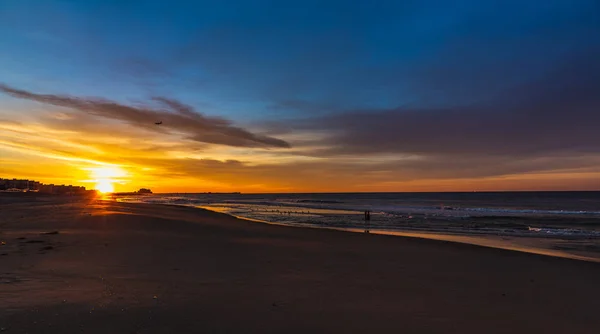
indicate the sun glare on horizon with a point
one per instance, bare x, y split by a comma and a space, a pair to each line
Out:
105, 178
105, 186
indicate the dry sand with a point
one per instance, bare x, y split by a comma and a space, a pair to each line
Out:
110, 267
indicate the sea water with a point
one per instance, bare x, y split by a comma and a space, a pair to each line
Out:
565, 224
565, 214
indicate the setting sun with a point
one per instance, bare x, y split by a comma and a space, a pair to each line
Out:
105, 177
105, 186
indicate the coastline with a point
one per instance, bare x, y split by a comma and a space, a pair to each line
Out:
504, 243
520, 224
103, 266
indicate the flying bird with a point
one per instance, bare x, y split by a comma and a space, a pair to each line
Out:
158, 123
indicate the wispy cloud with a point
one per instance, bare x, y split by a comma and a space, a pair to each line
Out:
173, 167
176, 117
555, 114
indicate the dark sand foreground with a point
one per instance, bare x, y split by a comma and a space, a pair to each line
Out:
126, 268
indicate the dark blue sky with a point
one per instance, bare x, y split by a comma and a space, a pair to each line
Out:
247, 56
467, 70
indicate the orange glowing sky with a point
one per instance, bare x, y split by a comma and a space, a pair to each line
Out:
126, 159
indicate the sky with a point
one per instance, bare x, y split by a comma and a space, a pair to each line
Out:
301, 96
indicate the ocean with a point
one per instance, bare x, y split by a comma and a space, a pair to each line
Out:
531, 214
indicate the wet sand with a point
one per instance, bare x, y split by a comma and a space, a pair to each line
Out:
86, 266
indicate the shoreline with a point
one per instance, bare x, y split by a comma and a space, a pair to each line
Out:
486, 241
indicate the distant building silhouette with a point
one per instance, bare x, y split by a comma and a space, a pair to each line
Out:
13, 185
142, 191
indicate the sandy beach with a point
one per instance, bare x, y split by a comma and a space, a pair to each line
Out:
89, 266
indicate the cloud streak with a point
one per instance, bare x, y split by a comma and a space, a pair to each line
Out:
176, 117
555, 114
174, 168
